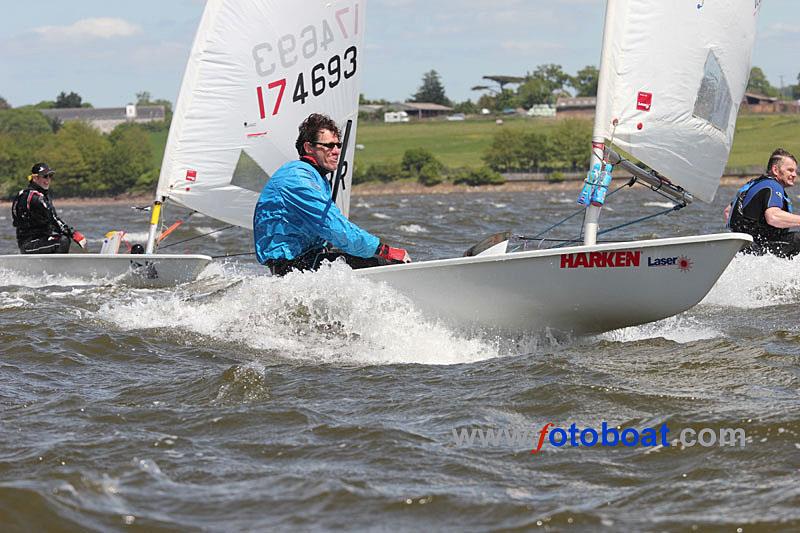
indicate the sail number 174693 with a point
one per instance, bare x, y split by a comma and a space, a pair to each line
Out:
325, 75
301, 49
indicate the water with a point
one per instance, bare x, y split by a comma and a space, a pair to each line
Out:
322, 401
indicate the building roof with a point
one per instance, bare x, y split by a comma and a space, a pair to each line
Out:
89, 114
422, 106
578, 102
370, 108
759, 98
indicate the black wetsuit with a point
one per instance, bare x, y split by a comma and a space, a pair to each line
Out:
39, 229
748, 216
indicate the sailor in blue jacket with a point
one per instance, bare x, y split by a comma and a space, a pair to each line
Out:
762, 209
296, 224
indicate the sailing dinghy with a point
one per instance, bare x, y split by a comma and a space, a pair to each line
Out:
671, 79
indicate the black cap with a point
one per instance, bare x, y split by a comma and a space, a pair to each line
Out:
41, 169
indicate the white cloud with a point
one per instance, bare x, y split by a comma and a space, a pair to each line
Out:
89, 29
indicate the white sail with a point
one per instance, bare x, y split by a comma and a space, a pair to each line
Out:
672, 76
256, 70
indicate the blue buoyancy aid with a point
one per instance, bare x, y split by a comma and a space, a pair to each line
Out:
295, 214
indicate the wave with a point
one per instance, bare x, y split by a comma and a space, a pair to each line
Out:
752, 281
328, 316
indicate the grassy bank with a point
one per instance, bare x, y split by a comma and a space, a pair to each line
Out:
463, 143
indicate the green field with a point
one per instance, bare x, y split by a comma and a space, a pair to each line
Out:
463, 143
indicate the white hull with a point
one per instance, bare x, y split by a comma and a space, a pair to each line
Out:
581, 289
145, 270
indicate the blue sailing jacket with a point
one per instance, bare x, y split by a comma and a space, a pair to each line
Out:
295, 214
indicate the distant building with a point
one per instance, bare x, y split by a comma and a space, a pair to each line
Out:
370, 109
576, 107
542, 110
422, 109
108, 118
395, 116
758, 103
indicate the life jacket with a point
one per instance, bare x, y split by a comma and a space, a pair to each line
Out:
34, 215
757, 227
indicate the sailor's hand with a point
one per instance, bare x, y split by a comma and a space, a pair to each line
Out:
78, 237
395, 255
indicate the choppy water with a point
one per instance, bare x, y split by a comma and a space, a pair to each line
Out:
322, 401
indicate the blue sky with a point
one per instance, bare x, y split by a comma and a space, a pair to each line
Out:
109, 50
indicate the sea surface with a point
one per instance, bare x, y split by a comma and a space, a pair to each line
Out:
318, 401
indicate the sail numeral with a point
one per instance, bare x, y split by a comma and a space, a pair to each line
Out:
327, 35
307, 42
287, 45
281, 86
339, 14
300, 93
352, 52
335, 69
310, 46
318, 81
327, 74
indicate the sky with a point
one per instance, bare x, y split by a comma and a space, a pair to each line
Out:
109, 50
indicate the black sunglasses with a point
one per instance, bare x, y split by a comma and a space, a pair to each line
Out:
329, 146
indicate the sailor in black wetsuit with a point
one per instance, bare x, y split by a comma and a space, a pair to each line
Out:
39, 228
762, 209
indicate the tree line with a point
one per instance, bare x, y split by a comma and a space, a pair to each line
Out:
87, 162
545, 85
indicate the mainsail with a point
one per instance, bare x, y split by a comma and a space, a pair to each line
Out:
257, 68
672, 77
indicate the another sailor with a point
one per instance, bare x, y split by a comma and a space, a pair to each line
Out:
39, 228
296, 224
764, 210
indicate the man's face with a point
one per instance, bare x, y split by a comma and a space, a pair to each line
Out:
42, 180
325, 150
785, 171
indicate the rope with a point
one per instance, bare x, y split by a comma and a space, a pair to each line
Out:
648, 217
565, 242
578, 212
198, 236
232, 255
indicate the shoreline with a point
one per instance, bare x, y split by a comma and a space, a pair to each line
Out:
404, 188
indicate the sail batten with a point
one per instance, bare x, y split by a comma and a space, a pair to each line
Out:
256, 70
672, 77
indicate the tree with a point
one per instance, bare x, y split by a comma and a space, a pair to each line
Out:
796, 89
143, 98
23, 121
467, 107
534, 91
759, 84
571, 141
70, 100
585, 81
502, 81
93, 147
129, 158
553, 75
4, 104
515, 151
431, 90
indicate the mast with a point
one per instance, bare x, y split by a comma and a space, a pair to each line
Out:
592, 219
